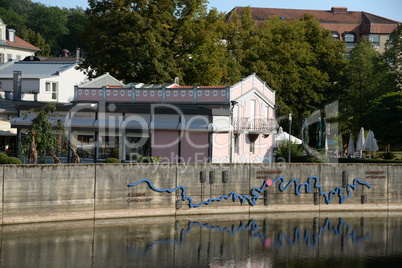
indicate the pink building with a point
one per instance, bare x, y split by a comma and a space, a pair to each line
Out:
177, 123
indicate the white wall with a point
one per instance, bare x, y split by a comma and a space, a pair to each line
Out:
15, 53
65, 86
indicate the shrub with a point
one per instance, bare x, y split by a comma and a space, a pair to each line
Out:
112, 160
388, 156
295, 150
3, 156
13, 161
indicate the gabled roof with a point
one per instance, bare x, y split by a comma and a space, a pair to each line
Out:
34, 69
333, 16
20, 43
105, 80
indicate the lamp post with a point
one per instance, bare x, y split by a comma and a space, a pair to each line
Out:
290, 130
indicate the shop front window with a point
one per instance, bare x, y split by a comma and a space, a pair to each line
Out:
137, 145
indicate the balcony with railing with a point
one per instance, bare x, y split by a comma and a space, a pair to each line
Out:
255, 125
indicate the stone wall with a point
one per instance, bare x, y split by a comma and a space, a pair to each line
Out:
39, 193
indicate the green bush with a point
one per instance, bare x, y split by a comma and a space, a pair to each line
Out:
3, 156
388, 156
13, 161
295, 150
112, 160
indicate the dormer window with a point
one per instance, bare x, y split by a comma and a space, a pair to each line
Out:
335, 35
350, 40
11, 35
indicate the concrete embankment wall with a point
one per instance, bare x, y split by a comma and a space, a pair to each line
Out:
39, 193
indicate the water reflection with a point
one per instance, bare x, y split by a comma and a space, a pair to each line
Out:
285, 240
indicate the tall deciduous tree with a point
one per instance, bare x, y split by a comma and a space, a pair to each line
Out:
369, 78
135, 40
393, 54
51, 23
44, 133
201, 50
384, 117
298, 59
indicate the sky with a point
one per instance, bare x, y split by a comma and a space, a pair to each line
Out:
390, 9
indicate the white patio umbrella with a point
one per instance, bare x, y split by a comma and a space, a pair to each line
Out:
283, 136
370, 144
360, 142
351, 145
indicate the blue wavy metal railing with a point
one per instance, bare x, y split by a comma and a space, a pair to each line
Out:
310, 238
256, 191
328, 196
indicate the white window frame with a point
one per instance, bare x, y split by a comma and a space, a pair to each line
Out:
52, 88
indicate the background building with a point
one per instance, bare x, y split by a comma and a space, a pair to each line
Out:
180, 124
12, 47
348, 26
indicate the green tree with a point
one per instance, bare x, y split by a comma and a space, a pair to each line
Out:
242, 42
201, 50
37, 40
51, 23
393, 54
136, 39
46, 141
76, 21
369, 78
384, 117
19, 6
299, 60
11, 18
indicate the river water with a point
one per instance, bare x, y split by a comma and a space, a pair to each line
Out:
256, 240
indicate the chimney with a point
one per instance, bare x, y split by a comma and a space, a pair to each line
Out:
78, 54
339, 9
17, 85
65, 53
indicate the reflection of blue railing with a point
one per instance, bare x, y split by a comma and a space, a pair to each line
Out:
310, 238
255, 233
255, 192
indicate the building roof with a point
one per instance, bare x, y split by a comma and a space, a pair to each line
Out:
34, 69
20, 43
337, 15
200, 87
105, 80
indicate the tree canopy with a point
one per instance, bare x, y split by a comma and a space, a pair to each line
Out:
384, 117
393, 54
298, 59
369, 78
50, 28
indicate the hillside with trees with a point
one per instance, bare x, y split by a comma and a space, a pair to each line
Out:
50, 28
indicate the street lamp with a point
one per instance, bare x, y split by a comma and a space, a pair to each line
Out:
290, 130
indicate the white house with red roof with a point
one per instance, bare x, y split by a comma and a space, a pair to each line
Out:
12, 47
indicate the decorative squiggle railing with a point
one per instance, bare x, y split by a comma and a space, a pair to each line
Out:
328, 196
312, 182
243, 198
